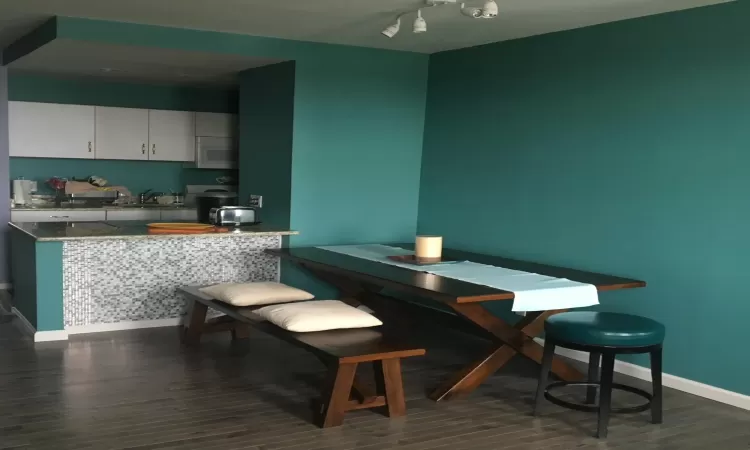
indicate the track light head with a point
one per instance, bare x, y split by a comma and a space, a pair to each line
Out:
489, 10
393, 29
420, 25
471, 11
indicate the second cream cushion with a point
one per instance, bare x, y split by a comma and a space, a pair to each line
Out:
317, 316
254, 294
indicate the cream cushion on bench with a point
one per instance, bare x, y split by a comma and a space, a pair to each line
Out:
254, 294
318, 315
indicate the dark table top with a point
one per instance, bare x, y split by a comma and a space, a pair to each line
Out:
434, 286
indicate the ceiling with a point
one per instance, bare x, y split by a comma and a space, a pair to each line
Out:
77, 59
351, 22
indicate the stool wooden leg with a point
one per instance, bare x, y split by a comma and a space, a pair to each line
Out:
657, 400
336, 396
594, 358
388, 381
547, 357
605, 393
196, 320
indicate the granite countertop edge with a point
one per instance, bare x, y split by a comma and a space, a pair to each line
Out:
240, 233
103, 208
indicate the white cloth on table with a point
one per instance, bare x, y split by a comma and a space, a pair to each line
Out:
532, 292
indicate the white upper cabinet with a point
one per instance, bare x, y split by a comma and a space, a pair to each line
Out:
171, 136
121, 133
215, 124
50, 130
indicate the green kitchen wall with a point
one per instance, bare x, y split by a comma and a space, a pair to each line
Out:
621, 149
337, 152
266, 122
357, 125
136, 175
357, 149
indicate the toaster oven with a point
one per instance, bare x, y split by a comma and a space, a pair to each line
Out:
233, 216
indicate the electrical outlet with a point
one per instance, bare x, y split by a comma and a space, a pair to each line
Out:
256, 201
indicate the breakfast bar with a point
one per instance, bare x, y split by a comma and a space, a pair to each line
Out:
83, 277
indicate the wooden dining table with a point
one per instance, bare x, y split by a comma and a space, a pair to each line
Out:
362, 281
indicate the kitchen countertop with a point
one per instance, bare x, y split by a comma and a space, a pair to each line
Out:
70, 231
100, 208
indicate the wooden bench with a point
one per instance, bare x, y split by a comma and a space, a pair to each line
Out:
340, 350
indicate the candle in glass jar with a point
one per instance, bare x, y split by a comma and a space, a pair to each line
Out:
429, 247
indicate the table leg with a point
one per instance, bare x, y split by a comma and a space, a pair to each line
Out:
514, 340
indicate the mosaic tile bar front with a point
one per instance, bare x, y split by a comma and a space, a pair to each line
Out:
107, 281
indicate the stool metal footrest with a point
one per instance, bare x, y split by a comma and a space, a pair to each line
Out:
595, 408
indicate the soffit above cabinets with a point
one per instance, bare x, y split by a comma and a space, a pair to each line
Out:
76, 59
347, 22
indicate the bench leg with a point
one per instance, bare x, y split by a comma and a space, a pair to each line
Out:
240, 331
336, 397
196, 320
388, 382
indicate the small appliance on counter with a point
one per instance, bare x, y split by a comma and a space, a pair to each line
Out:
207, 201
235, 216
22, 190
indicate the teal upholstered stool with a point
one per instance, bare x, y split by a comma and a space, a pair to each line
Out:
603, 335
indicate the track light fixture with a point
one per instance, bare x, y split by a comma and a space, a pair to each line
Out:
488, 11
393, 29
420, 25
471, 11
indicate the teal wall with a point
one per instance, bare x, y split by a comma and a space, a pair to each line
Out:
620, 149
136, 175
266, 124
90, 91
36, 268
358, 126
23, 273
49, 286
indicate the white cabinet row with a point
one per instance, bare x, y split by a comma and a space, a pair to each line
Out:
67, 215
50, 130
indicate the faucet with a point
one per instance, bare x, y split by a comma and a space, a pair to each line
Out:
144, 197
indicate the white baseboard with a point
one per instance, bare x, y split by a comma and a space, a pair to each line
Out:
28, 329
50, 336
121, 326
62, 335
671, 381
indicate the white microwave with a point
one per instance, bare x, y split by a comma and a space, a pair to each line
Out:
216, 153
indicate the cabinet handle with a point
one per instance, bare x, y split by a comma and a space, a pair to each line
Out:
153, 149
59, 217
89, 146
143, 149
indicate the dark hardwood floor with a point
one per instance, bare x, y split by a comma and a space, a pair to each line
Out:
143, 390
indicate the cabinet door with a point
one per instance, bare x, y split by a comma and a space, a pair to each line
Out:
215, 124
171, 135
134, 214
51, 130
57, 215
188, 215
121, 133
